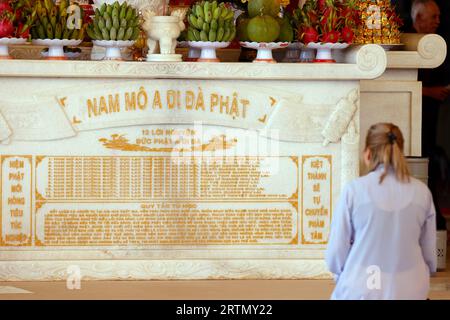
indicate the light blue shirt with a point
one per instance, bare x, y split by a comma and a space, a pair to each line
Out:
382, 241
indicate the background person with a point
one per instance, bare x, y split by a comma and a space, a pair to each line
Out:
425, 15
382, 242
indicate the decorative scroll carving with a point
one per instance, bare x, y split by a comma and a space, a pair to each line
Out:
421, 51
432, 46
32, 123
339, 120
350, 151
25, 119
369, 56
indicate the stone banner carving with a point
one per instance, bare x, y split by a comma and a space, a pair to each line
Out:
62, 113
144, 172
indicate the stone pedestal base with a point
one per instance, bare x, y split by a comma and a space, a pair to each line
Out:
164, 57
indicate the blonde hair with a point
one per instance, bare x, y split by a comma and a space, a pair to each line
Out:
385, 143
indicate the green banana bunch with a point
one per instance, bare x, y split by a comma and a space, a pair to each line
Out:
114, 22
52, 22
210, 21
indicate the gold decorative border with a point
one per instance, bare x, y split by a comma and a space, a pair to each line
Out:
40, 201
329, 158
293, 200
38, 160
119, 142
295, 239
29, 237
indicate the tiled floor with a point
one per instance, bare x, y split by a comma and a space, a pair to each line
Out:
183, 290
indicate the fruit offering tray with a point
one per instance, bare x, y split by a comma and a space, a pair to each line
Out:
87, 51
28, 51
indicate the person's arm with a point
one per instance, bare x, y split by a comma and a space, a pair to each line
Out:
341, 234
437, 93
428, 238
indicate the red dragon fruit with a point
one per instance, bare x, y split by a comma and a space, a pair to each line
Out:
310, 34
330, 37
23, 31
6, 19
321, 4
346, 12
313, 17
347, 35
4, 6
6, 27
327, 21
19, 14
16, 18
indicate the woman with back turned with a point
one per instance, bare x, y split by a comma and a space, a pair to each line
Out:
382, 242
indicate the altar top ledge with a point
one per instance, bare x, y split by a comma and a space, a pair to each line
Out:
358, 62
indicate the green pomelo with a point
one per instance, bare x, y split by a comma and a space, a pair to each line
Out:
263, 29
286, 31
263, 7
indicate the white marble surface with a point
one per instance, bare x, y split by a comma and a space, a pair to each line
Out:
306, 104
361, 62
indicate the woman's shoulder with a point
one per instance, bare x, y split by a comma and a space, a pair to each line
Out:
356, 185
363, 180
421, 189
421, 192
373, 177
418, 183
